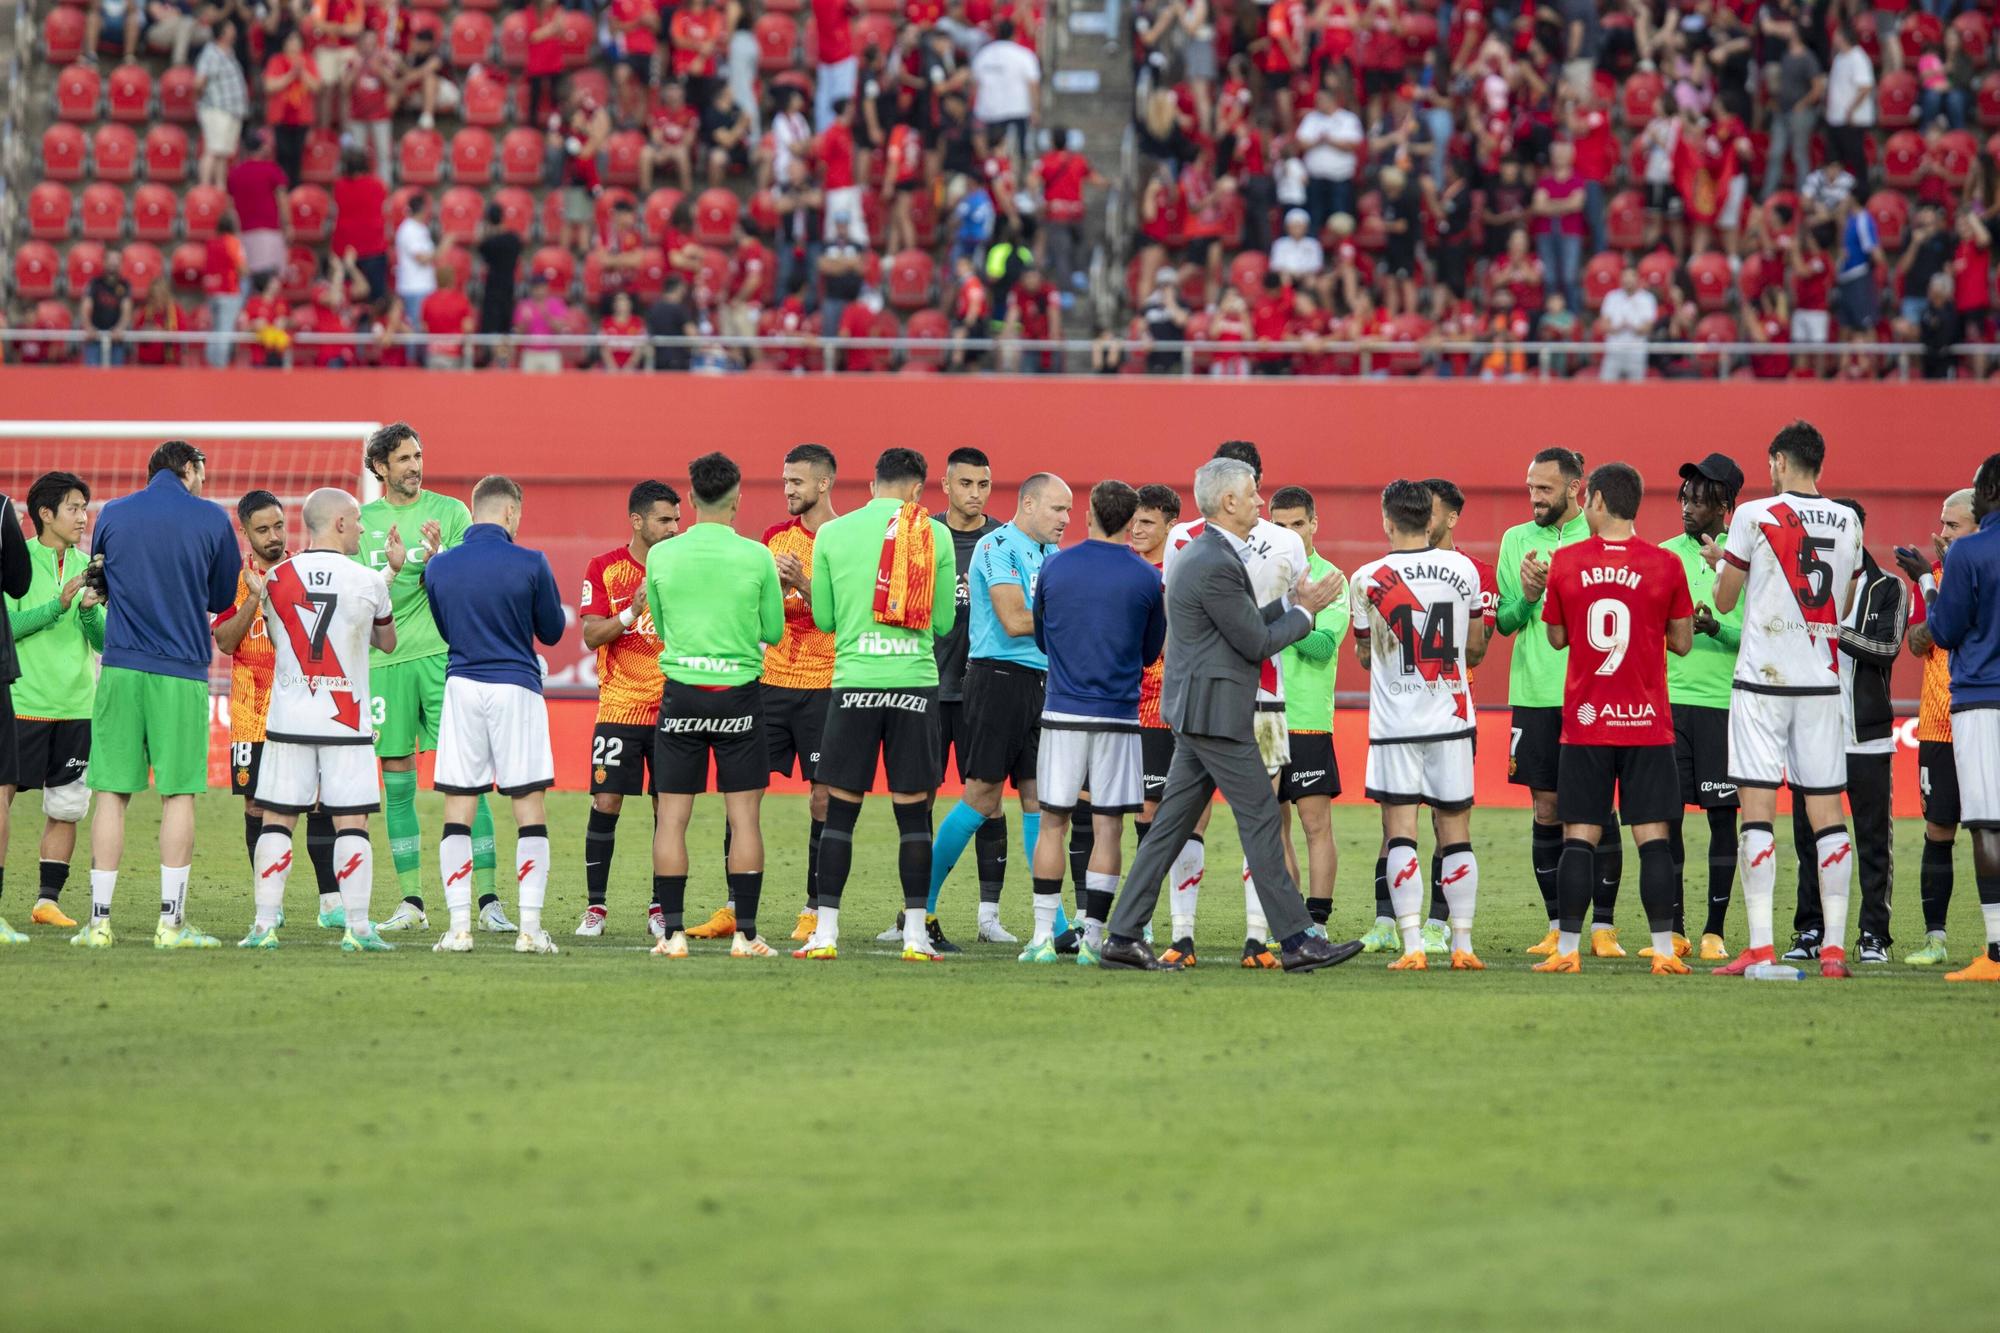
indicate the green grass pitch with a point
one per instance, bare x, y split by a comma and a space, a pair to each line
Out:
602, 1139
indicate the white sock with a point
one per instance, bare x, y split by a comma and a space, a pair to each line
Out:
1184, 886
1406, 893
354, 871
1093, 934
1990, 911
1663, 943
1568, 941
173, 894
915, 934
1758, 857
1046, 905
103, 883
827, 933
989, 914
1461, 895
455, 861
1836, 877
531, 872
1255, 926
273, 865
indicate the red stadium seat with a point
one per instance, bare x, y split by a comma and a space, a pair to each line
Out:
166, 154
1757, 275
1891, 211
420, 158
715, 217
517, 209
102, 212
556, 264
1896, 99
295, 279
470, 39
1625, 220
63, 151
114, 153
1988, 109
552, 216
1919, 32
1656, 271
1420, 34
1600, 277
78, 92
85, 260
659, 210
911, 277
877, 30
578, 31
777, 43
1246, 273
1781, 213
154, 209
1642, 99
651, 276
472, 157
622, 152
483, 101
514, 30
188, 264
924, 218
459, 213
141, 265
930, 324
521, 157
129, 94
201, 208
1975, 34
1409, 330
1716, 328
309, 211
62, 35
50, 317
177, 95
1903, 159
35, 269
49, 209
319, 164
593, 83
1954, 156
1709, 274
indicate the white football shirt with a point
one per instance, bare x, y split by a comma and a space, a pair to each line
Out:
1415, 608
1802, 554
322, 609
1276, 561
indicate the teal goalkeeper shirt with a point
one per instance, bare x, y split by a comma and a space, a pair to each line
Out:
1535, 674
1703, 678
57, 648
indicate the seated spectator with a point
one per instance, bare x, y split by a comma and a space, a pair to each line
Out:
670, 139
324, 315
267, 316
1768, 322
1230, 325
118, 22
106, 312
726, 132
624, 336
1558, 324
1034, 314
159, 313
971, 314
382, 321
1940, 329
1297, 254
620, 252
857, 320
540, 317
671, 316
447, 317
359, 236
172, 28
368, 88
423, 82
1166, 321
1506, 329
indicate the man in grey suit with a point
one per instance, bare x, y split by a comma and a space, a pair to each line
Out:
1217, 639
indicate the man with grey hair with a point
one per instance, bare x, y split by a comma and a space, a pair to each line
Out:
1219, 640
324, 610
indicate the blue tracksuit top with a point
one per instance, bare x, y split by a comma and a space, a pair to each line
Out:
491, 600
170, 562
1965, 616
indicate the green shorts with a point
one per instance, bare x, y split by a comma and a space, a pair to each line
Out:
408, 698
142, 721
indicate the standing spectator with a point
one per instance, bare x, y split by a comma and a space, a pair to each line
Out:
1296, 254
1060, 177
1812, 285
1939, 330
791, 135
836, 78
499, 249
448, 316
1166, 321
698, 38
225, 279
107, 313
290, 85
1596, 161
360, 200
1006, 90
902, 178
1972, 283
1850, 102
740, 59
1927, 253
1798, 85
266, 316
671, 316
1403, 225
1583, 39
635, 36
545, 60
838, 163
223, 102
971, 313
727, 132
801, 224
575, 148
371, 81
1626, 320
1330, 137
1558, 214
335, 28
1034, 314
416, 258
540, 316
1859, 298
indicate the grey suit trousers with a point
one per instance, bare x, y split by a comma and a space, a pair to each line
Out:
1201, 765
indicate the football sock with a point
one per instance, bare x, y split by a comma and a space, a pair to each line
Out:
959, 825
1656, 893
1184, 886
273, 863
103, 883
173, 894
253, 829
1320, 910
319, 851
812, 860
600, 839
1546, 847
1082, 839
1610, 859
1048, 898
1439, 909
455, 865
484, 854
1099, 889
1255, 927
1677, 853
1575, 876
1989, 911
915, 933
356, 875
746, 890
1460, 882
1836, 878
914, 858
1721, 867
670, 892
836, 852
1406, 892
55, 874
1140, 828
989, 853
531, 873
1031, 833
1935, 883
1759, 853
1383, 912
399, 817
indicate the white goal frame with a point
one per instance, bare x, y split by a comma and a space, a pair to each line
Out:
16, 428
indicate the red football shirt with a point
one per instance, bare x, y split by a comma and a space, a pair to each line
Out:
1615, 599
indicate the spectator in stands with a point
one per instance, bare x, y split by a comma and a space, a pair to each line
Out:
1927, 253
422, 83
290, 87
1811, 275
1859, 295
1403, 228
902, 178
382, 320
1330, 138
573, 150
741, 57
837, 71
544, 64
791, 136
540, 316
1798, 86
222, 104
1297, 253
1972, 283
159, 313
1166, 321
1939, 328
359, 202
1557, 211
1059, 178
801, 224
1850, 102
106, 313
225, 277
971, 313
624, 336
335, 29
635, 37
1034, 314
670, 138
371, 77
842, 275
1006, 83
857, 320
324, 315
698, 34
1768, 323
416, 258
116, 21
671, 316
499, 248
266, 316
1162, 133
448, 316
726, 131
1453, 207
1625, 321
839, 179
1946, 82
171, 28
1506, 329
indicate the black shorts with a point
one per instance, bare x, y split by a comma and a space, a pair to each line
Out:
951, 734
52, 754
1937, 783
1313, 770
1533, 761
897, 725
793, 723
245, 759
10, 740
1701, 754
695, 722
1644, 775
1156, 756
621, 759
1003, 722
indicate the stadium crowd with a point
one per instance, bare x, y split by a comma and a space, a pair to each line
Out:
1132, 674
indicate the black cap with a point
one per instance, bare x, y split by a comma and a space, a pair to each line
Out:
1720, 468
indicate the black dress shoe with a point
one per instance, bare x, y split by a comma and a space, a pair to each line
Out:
1133, 956
1314, 953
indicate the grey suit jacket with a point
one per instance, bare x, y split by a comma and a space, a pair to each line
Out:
1218, 638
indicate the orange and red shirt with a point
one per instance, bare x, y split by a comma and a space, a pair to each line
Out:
1151, 681
628, 668
803, 659
1934, 700
250, 668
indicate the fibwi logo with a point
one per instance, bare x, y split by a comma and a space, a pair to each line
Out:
876, 644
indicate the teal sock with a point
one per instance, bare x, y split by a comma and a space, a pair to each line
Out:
399, 816
483, 858
949, 844
1031, 832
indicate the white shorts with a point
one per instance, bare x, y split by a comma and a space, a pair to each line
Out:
291, 778
1975, 748
492, 735
1810, 326
1800, 739
1074, 759
1434, 773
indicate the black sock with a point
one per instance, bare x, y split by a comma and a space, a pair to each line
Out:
1382, 908
1677, 850
1721, 867
1575, 878
812, 862
1656, 885
319, 850
670, 893
600, 838
1546, 847
989, 853
1082, 838
1140, 828
1320, 910
746, 887
728, 838
913, 854
1934, 881
1989, 894
55, 874
836, 850
486, 898
1610, 868
253, 828
1438, 912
